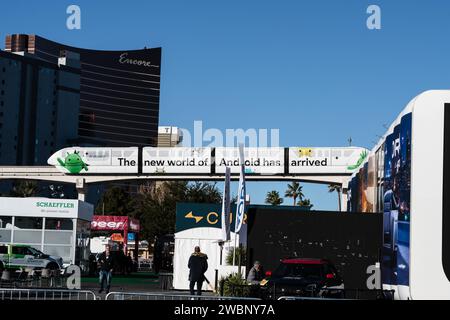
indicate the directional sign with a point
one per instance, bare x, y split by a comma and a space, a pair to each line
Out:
200, 215
176, 160
92, 160
257, 160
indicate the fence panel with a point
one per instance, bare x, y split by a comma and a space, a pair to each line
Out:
45, 294
159, 296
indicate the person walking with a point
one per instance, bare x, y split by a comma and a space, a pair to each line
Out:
105, 265
197, 265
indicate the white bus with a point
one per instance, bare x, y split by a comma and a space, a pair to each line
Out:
407, 177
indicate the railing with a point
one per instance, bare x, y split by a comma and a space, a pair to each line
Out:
45, 294
274, 292
159, 296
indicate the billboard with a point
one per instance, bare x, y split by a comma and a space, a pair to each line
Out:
201, 215
176, 160
257, 160
93, 160
208, 161
114, 223
325, 160
397, 195
350, 241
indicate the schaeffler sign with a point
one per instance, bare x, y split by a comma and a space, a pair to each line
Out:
77, 160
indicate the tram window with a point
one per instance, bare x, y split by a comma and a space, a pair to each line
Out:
446, 198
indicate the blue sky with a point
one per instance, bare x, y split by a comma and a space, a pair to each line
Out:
310, 68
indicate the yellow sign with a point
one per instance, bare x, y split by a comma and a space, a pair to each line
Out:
191, 216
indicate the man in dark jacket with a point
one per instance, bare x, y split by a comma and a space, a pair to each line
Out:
105, 269
256, 274
197, 265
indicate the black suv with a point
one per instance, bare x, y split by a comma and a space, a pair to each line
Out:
305, 277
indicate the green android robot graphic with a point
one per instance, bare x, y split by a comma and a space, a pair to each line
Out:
73, 163
361, 159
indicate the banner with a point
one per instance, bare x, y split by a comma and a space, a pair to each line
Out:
240, 208
114, 223
176, 160
91, 160
325, 160
226, 208
267, 161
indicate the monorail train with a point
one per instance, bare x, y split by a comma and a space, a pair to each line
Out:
207, 161
407, 177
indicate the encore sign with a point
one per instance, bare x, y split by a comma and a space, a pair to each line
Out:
207, 161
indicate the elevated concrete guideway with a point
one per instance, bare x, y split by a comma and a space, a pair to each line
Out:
86, 165
50, 173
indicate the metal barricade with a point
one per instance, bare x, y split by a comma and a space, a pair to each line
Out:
45, 294
159, 296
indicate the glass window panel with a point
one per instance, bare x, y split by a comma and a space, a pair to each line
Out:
58, 224
58, 237
29, 236
28, 223
5, 235
5, 222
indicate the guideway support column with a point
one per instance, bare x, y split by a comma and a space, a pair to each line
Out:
344, 199
82, 189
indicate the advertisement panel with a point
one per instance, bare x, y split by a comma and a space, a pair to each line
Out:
41, 207
199, 215
176, 160
93, 160
396, 218
269, 161
325, 160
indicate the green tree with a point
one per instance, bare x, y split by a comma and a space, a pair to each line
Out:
336, 188
155, 205
294, 191
273, 198
203, 193
115, 201
241, 252
305, 203
24, 189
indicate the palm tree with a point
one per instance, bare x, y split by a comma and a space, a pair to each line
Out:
273, 198
294, 191
336, 188
305, 203
26, 188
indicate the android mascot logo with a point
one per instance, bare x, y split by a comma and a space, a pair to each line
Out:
362, 157
73, 163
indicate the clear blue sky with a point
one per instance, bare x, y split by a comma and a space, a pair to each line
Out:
310, 68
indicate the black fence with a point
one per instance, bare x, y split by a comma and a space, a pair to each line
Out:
350, 240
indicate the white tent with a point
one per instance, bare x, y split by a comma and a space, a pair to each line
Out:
206, 239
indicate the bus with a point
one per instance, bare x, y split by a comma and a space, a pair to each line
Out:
406, 176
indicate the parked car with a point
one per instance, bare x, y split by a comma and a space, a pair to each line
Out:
305, 277
14, 256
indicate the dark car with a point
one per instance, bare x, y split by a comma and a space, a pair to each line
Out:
305, 277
